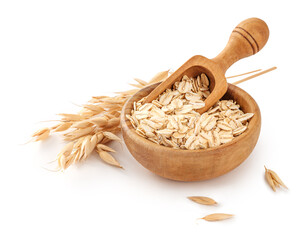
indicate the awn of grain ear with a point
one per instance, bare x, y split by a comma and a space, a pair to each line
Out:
203, 200
217, 217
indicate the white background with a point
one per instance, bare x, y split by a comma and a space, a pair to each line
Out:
54, 54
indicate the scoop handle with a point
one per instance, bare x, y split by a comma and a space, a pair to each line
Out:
248, 38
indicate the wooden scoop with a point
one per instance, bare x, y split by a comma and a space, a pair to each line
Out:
248, 38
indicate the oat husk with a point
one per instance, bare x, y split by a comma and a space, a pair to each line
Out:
217, 217
203, 200
273, 179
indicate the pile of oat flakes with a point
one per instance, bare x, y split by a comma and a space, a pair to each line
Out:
172, 119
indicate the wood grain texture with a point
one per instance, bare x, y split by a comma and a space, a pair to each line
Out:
193, 165
246, 39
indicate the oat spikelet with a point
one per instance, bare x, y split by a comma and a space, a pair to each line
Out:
64, 155
273, 179
108, 158
89, 144
41, 134
269, 179
217, 217
277, 179
113, 122
111, 136
78, 150
203, 200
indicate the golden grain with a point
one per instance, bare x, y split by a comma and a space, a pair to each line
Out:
217, 217
111, 136
108, 158
203, 200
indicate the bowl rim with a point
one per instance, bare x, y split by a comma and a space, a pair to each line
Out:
127, 126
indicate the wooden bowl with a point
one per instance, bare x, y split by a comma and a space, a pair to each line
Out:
193, 165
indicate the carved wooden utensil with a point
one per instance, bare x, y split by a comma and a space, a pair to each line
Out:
248, 38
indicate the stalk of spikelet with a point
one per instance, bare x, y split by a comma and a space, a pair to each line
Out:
93, 126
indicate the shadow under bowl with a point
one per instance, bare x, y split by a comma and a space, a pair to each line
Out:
193, 165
